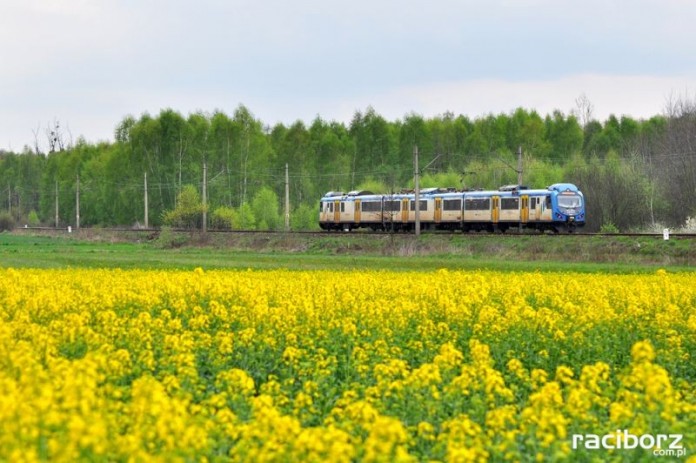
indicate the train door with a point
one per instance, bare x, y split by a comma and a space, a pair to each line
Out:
357, 211
438, 210
337, 211
495, 208
534, 208
524, 209
404, 210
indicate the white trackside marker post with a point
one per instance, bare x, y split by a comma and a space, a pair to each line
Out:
665, 234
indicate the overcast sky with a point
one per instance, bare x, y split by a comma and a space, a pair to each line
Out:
89, 63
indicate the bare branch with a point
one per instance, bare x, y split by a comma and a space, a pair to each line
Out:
584, 109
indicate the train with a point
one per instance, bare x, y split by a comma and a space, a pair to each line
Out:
560, 208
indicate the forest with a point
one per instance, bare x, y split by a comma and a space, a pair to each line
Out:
635, 174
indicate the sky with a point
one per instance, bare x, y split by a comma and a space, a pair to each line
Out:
87, 64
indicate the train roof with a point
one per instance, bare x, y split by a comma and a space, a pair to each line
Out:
452, 194
561, 187
513, 187
504, 191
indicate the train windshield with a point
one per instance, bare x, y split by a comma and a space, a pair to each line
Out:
569, 201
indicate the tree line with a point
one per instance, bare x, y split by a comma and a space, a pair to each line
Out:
634, 173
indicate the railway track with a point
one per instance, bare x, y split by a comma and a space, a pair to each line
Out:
510, 234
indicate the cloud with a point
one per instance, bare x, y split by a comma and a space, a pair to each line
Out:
91, 62
635, 96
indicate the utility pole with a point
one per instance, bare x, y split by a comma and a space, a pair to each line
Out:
57, 220
147, 224
287, 199
519, 184
205, 197
416, 181
9, 198
519, 167
77, 204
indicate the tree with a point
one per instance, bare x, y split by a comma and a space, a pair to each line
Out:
245, 218
305, 217
189, 209
221, 140
265, 208
677, 159
449, 179
55, 137
529, 130
564, 135
373, 143
330, 154
223, 218
293, 147
584, 110
616, 192
251, 151
413, 131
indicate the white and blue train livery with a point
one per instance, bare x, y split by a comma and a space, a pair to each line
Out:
558, 208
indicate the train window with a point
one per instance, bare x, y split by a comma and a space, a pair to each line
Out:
509, 203
533, 204
321, 206
392, 206
548, 202
371, 206
423, 205
478, 204
452, 205
566, 200
330, 207
343, 207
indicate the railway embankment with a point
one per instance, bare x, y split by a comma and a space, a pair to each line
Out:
499, 249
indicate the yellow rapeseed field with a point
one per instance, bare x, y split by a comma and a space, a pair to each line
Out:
111, 365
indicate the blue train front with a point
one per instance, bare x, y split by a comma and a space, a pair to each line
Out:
558, 208
568, 205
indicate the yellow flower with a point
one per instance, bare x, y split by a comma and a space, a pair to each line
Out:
643, 351
337, 366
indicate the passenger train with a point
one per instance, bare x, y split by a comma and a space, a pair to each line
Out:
558, 208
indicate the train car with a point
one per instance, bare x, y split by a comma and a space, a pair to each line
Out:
329, 210
558, 208
567, 207
346, 211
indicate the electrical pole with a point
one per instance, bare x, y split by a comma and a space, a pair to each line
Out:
416, 181
57, 220
9, 198
287, 199
519, 184
205, 197
147, 224
77, 204
519, 167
